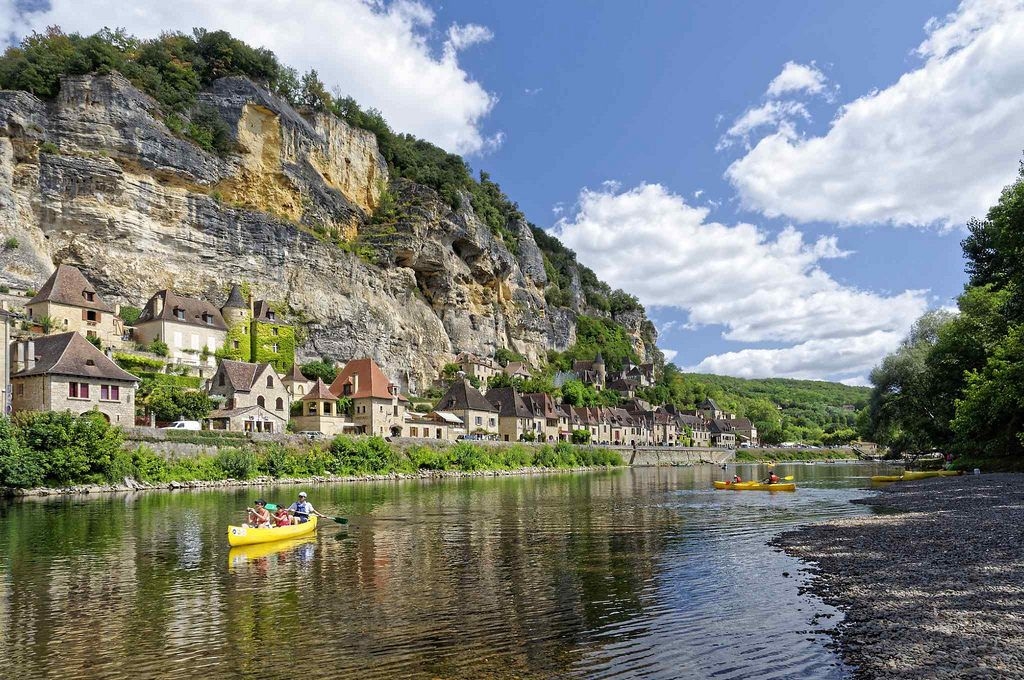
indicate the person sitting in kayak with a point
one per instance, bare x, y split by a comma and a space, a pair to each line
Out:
302, 509
281, 517
259, 516
736, 479
772, 478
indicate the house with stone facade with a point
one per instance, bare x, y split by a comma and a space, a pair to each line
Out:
465, 401
437, 425
193, 329
318, 411
68, 302
256, 332
515, 419
377, 407
65, 372
542, 405
482, 368
255, 398
297, 384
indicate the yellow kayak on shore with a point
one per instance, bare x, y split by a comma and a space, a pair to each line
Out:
249, 536
756, 486
925, 474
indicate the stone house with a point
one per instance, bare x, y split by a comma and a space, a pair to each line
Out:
465, 401
377, 407
439, 425
255, 333
543, 405
517, 369
66, 372
591, 372
625, 430
701, 434
320, 413
744, 429
72, 304
189, 327
245, 419
515, 420
243, 385
722, 434
478, 367
297, 384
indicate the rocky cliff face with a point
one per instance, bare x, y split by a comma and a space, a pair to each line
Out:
96, 179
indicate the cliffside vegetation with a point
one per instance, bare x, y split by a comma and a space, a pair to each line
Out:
956, 383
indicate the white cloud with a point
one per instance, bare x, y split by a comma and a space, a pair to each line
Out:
779, 115
761, 288
670, 354
936, 147
798, 78
378, 52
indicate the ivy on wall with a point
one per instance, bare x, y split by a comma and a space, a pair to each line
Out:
263, 341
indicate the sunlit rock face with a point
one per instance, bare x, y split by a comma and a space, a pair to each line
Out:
97, 179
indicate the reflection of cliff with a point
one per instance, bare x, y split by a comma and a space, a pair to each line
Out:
95, 178
508, 577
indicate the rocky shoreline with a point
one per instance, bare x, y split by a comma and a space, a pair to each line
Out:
932, 585
132, 485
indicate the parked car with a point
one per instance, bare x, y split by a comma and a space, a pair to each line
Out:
183, 425
311, 435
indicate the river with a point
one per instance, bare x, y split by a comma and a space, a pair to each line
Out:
633, 573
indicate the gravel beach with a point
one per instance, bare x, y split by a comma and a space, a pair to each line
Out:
933, 585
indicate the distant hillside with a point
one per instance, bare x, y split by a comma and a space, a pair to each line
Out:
809, 411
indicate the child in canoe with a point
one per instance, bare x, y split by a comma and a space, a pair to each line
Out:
281, 517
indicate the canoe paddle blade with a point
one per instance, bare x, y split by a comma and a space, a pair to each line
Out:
341, 520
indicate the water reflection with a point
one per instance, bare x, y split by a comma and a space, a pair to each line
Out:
633, 573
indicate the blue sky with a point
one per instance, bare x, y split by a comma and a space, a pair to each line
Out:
784, 184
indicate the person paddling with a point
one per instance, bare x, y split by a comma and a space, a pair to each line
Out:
772, 478
302, 509
736, 479
259, 516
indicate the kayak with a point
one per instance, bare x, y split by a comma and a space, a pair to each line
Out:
887, 478
925, 474
756, 486
249, 536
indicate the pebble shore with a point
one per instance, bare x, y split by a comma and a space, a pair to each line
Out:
932, 585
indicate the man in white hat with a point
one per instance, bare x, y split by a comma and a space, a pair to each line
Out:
302, 509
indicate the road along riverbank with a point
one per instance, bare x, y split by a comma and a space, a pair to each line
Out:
933, 585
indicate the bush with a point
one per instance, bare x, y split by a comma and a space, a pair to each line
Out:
95, 341
11, 243
363, 456
238, 463
130, 315
426, 458
141, 464
77, 448
134, 363
159, 348
20, 466
4, 288
581, 436
195, 468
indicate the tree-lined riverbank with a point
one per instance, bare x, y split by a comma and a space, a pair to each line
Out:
932, 587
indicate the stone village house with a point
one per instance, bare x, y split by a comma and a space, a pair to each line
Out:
187, 325
255, 398
66, 372
71, 303
319, 413
465, 401
377, 407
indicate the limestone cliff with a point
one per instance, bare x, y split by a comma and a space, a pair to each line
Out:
97, 179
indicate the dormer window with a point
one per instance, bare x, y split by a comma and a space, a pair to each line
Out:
208, 318
89, 295
90, 362
347, 389
270, 315
179, 313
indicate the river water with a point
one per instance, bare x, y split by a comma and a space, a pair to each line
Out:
636, 573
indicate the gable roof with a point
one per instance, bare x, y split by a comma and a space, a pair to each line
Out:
462, 396
71, 354
709, 405
194, 309
517, 368
262, 311
241, 375
67, 286
295, 375
508, 402
369, 380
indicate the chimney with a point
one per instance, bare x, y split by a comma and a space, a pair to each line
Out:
19, 357
158, 305
30, 355
355, 383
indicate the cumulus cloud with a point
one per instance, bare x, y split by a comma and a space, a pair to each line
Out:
778, 115
378, 52
670, 354
798, 78
761, 288
935, 148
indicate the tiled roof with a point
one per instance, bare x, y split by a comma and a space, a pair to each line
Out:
461, 396
320, 392
240, 375
67, 286
295, 375
235, 299
508, 402
262, 311
517, 368
368, 379
71, 354
194, 309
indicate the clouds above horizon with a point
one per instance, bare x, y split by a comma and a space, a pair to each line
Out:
760, 288
934, 148
389, 56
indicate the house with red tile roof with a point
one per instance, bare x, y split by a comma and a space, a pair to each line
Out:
377, 407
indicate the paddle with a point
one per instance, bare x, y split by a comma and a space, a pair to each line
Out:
340, 520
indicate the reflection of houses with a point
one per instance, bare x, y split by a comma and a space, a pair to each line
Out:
465, 401
71, 303
67, 373
377, 407
320, 413
244, 386
189, 326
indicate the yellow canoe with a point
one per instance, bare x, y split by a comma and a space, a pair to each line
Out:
756, 486
925, 474
243, 554
248, 536
887, 478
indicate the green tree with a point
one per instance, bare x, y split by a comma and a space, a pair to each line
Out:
320, 368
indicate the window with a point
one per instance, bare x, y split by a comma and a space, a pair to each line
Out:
179, 313
270, 315
110, 393
396, 411
220, 379
280, 404
208, 318
91, 316
327, 408
438, 433
89, 296
261, 402
479, 420
346, 389
275, 347
414, 432
234, 344
78, 390
312, 408
91, 334
491, 422
270, 381
273, 331
21, 389
104, 392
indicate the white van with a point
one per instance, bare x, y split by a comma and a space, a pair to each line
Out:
183, 425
